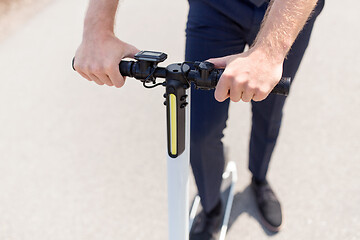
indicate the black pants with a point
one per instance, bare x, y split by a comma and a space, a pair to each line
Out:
217, 28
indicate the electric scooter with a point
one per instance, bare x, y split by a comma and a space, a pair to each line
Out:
178, 79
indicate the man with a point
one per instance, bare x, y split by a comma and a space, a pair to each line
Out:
218, 31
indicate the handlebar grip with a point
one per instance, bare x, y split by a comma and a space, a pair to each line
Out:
72, 64
283, 87
125, 68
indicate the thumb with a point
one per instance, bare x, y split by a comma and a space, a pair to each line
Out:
130, 50
218, 62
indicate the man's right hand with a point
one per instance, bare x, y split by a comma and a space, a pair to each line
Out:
97, 59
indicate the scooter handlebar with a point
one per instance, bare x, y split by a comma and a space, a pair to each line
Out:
207, 79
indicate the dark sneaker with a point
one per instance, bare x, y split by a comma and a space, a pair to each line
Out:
207, 226
268, 205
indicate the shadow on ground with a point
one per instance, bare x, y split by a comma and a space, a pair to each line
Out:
244, 203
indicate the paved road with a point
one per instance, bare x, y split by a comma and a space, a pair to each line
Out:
80, 161
13, 13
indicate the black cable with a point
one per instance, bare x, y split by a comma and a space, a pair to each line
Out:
154, 85
164, 83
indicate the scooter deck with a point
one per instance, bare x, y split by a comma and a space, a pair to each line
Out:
227, 194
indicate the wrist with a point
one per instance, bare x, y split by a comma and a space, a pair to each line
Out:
268, 53
94, 34
98, 27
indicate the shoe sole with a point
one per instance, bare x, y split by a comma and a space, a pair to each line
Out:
267, 225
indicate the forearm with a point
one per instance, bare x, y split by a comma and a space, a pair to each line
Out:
100, 17
99, 54
282, 23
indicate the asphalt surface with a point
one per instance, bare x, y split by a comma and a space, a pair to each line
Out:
81, 161
13, 13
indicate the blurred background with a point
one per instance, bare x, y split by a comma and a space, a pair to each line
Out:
82, 161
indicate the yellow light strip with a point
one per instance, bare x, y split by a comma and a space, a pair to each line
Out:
173, 138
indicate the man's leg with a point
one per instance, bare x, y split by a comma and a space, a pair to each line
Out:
267, 114
266, 122
209, 34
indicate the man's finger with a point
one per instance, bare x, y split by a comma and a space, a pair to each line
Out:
130, 51
105, 79
115, 77
218, 62
95, 79
84, 75
222, 89
247, 96
236, 93
259, 96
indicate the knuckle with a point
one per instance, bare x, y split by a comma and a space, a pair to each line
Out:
108, 67
111, 65
78, 64
237, 83
227, 75
80, 67
260, 95
87, 68
251, 88
97, 70
263, 91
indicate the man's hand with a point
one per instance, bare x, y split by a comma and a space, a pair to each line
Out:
253, 74
97, 59
248, 76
